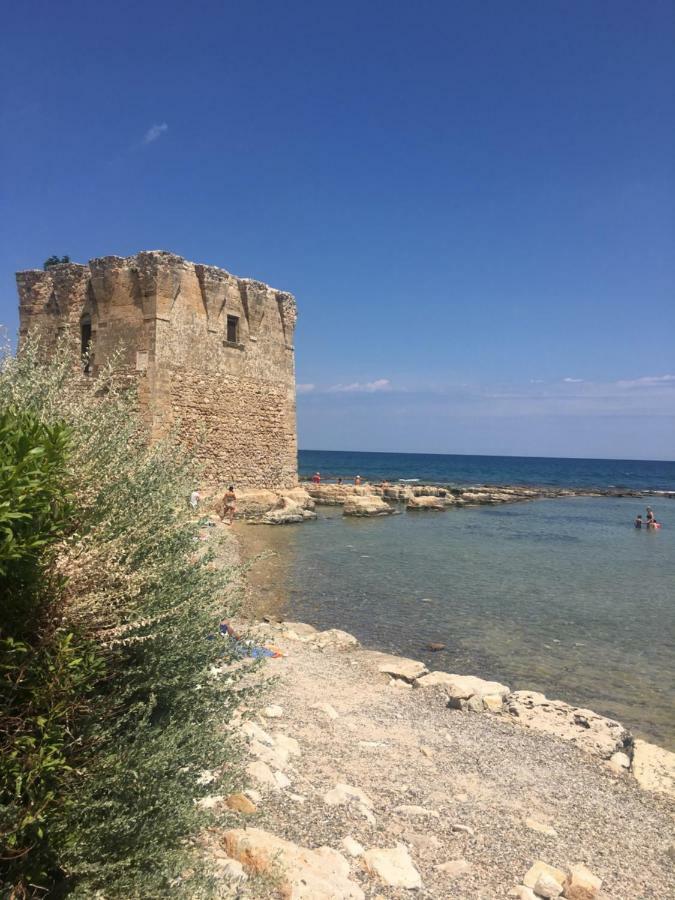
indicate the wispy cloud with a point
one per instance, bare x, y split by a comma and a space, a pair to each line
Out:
305, 388
647, 381
356, 387
154, 133
573, 380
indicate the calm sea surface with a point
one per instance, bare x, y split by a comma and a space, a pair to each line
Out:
562, 596
461, 470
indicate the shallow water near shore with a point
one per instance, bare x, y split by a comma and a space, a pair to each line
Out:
562, 596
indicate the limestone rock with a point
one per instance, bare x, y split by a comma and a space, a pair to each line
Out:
352, 846
287, 744
546, 886
400, 667
581, 883
211, 802
261, 772
470, 692
393, 866
300, 629
425, 503
589, 731
541, 868
654, 768
240, 803
333, 638
273, 712
287, 512
368, 505
305, 874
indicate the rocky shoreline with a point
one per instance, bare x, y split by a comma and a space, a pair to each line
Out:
296, 505
371, 776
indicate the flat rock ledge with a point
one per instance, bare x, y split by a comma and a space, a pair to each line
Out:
652, 766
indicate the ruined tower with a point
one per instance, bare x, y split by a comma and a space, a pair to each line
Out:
212, 353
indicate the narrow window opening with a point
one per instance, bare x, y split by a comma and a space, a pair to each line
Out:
232, 329
85, 344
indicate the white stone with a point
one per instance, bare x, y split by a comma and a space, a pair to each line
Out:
654, 768
273, 712
352, 846
400, 667
522, 893
333, 638
345, 795
542, 868
261, 772
283, 781
546, 886
276, 757
393, 866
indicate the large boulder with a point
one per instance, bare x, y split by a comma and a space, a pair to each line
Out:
287, 512
466, 691
329, 494
303, 874
654, 768
593, 733
366, 505
399, 666
255, 503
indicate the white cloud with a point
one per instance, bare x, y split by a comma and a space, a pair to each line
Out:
305, 388
647, 381
573, 380
367, 387
155, 132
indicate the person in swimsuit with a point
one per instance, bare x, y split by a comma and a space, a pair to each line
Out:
229, 504
638, 522
357, 480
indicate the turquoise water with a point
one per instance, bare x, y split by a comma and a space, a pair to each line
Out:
464, 469
562, 596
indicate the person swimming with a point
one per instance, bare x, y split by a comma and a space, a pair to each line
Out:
638, 522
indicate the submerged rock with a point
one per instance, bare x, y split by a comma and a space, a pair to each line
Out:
425, 503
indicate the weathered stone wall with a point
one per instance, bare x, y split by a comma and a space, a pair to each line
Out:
233, 403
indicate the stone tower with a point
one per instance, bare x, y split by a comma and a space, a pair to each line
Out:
212, 353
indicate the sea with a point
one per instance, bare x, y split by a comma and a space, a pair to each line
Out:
562, 595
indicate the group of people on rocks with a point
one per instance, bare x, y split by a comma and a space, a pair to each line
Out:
650, 522
316, 479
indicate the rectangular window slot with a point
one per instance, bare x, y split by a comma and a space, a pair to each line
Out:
232, 329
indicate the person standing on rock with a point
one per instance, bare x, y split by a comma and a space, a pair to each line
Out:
357, 480
316, 478
229, 504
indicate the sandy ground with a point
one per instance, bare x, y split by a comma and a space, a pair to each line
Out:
403, 746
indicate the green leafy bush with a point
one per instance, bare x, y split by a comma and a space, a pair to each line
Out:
133, 581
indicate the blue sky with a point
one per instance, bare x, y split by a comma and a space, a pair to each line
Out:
473, 202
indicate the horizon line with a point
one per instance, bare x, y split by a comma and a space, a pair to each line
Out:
489, 455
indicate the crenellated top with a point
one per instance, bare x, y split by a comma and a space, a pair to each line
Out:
152, 282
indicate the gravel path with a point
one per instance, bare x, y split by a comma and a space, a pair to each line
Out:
478, 775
